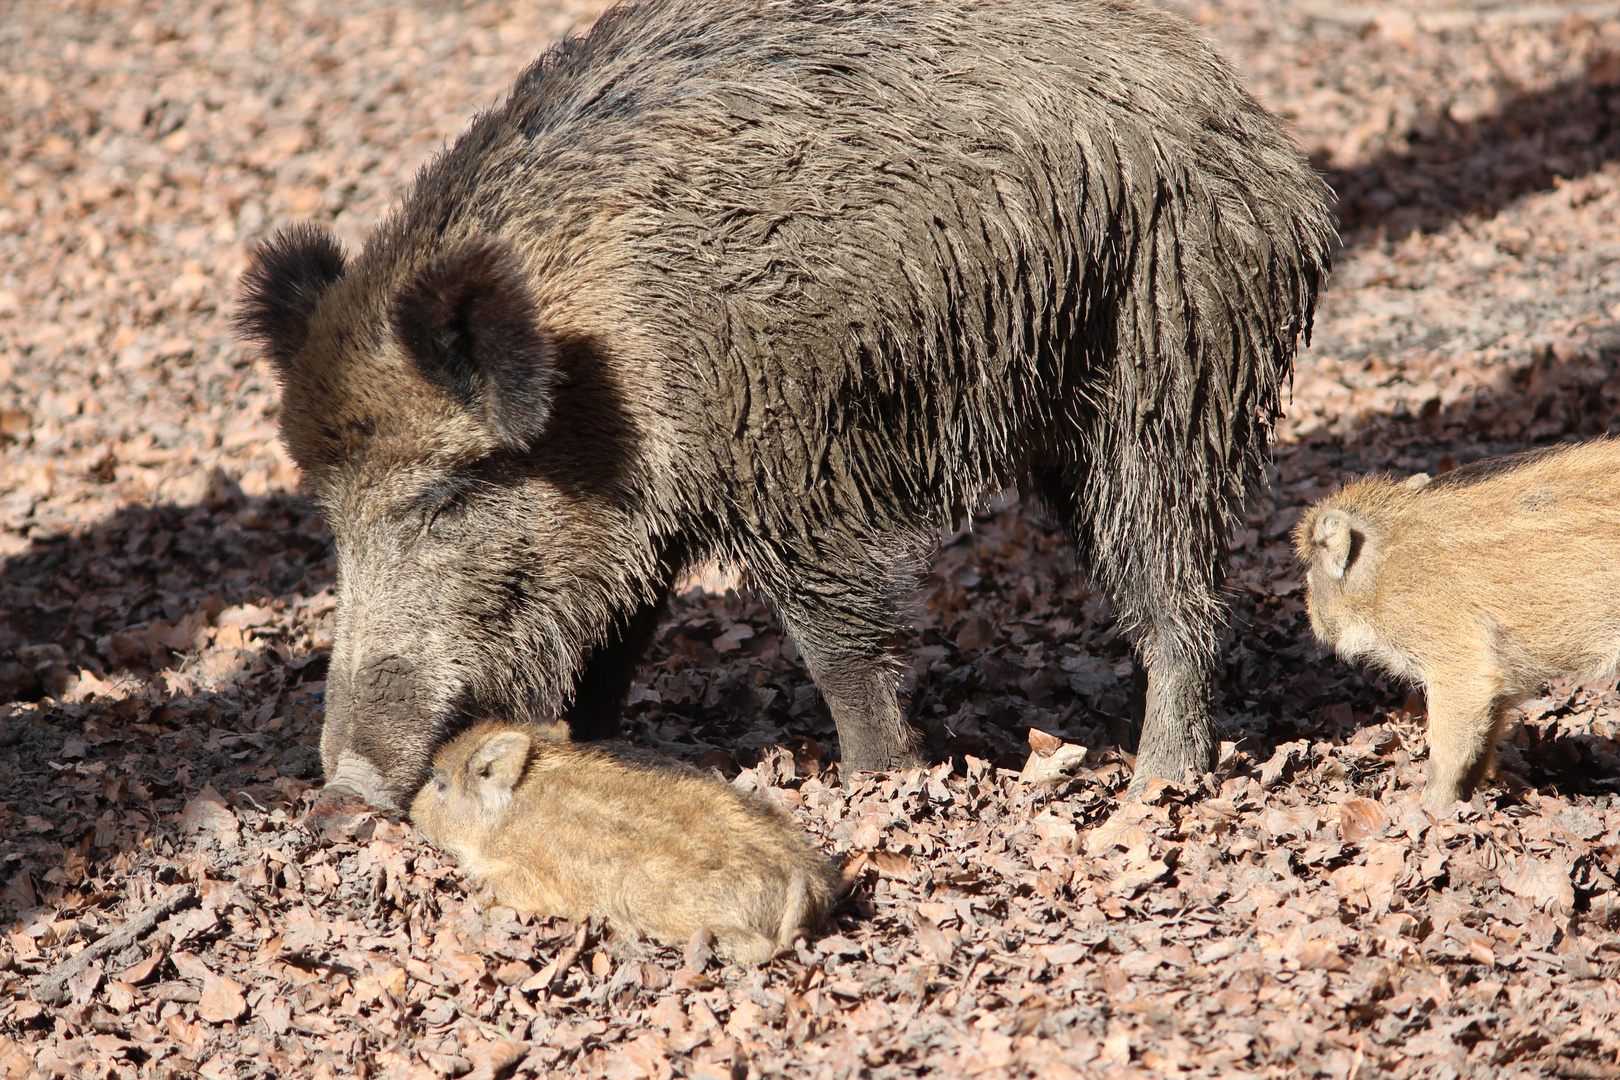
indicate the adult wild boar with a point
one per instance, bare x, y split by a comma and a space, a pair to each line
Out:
791, 285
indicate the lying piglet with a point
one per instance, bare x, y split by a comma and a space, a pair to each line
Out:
560, 828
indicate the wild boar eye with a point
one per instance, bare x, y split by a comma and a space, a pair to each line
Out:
443, 513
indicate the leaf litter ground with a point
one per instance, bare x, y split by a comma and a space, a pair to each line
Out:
170, 906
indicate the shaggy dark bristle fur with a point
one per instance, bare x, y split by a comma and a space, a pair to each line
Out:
820, 275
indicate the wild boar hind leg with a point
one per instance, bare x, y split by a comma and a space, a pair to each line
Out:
1163, 580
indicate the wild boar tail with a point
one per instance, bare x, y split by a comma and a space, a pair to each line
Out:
1221, 292
1220, 259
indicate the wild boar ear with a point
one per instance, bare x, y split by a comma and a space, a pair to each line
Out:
288, 275
1334, 538
497, 765
468, 322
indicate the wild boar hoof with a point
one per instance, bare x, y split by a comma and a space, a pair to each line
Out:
893, 761
1441, 796
332, 810
1185, 773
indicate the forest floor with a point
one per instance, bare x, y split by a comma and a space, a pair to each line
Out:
166, 599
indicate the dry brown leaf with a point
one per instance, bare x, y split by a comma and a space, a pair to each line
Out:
314, 1023
975, 633
1360, 819
1117, 832
244, 617
510, 974
83, 985
1320, 953
645, 1058
392, 982
1371, 882
1475, 944
866, 836
221, 999
305, 930
1282, 763
276, 1012
1542, 883
1116, 1048
1056, 831
940, 943
1043, 744
699, 949
891, 864
119, 995
141, 971
1053, 765
492, 1058
208, 813
16, 1061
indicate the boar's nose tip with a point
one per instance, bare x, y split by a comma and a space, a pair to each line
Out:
358, 778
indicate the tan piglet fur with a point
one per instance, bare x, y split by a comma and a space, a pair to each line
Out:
1479, 585
560, 828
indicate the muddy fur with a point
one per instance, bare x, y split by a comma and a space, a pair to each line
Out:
1479, 585
556, 828
792, 285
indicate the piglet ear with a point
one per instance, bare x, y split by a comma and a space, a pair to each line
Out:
496, 766
1335, 540
286, 279
468, 320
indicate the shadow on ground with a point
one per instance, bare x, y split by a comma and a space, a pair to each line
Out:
164, 649
1451, 170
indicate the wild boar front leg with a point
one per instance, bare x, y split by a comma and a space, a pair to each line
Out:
862, 696
1178, 733
1465, 717
841, 624
600, 692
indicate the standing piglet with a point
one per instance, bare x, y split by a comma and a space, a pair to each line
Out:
791, 285
1480, 585
557, 828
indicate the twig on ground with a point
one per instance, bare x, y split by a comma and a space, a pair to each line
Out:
53, 988
568, 957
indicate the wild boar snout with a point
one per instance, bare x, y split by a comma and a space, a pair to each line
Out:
372, 743
384, 686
